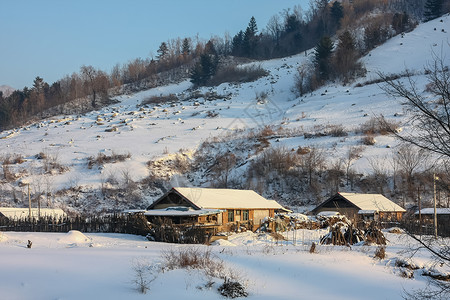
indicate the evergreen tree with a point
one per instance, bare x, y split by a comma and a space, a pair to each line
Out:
249, 42
400, 22
186, 47
252, 28
237, 44
432, 9
210, 48
204, 69
292, 24
163, 50
337, 12
346, 56
323, 51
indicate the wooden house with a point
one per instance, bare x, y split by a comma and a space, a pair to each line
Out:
362, 207
222, 208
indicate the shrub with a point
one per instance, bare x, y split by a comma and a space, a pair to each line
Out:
337, 130
104, 159
380, 253
232, 289
379, 126
236, 74
160, 99
144, 274
368, 140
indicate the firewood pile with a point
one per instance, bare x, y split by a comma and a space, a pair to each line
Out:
373, 234
284, 223
342, 234
345, 234
330, 221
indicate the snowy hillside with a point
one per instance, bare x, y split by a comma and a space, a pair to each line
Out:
53, 155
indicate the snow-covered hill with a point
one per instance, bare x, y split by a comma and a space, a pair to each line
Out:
53, 155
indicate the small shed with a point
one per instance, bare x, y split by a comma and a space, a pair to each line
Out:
221, 207
442, 215
362, 206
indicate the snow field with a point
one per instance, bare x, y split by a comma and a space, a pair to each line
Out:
91, 266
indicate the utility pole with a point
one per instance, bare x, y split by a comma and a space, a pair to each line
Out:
420, 209
434, 198
29, 202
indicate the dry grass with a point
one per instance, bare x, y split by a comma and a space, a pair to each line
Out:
237, 75
200, 259
378, 126
380, 252
368, 140
104, 159
160, 99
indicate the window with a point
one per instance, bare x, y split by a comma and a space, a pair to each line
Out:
245, 215
231, 216
238, 212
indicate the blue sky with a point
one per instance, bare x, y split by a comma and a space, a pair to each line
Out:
51, 38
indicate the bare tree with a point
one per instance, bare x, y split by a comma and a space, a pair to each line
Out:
430, 116
379, 175
353, 153
222, 167
430, 121
334, 174
312, 161
410, 160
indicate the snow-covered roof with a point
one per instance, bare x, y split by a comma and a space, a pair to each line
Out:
430, 211
372, 202
367, 212
21, 213
327, 213
227, 198
181, 211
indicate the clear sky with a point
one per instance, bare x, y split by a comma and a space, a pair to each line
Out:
51, 38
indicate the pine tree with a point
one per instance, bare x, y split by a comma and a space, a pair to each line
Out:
337, 12
163, 50
210, 48
322, 57
432, 9
237, 43
346, 56
204, 69
292, 24
249, 42
186, 47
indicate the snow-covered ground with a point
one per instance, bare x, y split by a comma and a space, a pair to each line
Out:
100, 266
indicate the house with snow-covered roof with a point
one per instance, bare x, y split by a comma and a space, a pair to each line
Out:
222, 208
442, 215
362, 206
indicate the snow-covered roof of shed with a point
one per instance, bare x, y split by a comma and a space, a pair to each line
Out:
430, 211
227, 198
21, 213
181, 211
372, 202
367, 212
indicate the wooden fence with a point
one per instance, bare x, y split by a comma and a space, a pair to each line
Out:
116, 223
417, 228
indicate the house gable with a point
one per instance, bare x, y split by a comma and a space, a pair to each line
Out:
335, 203
172, 199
